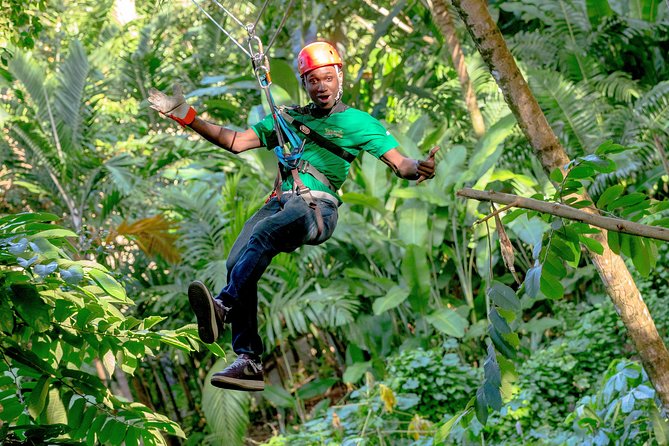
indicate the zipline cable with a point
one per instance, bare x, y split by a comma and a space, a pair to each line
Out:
252, 29
283, 22
230, 14
289, 157
222, 29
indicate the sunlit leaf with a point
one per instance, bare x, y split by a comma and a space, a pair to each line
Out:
448, 321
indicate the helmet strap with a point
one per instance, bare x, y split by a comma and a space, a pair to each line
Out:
340, 77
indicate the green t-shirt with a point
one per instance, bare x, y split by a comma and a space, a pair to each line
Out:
352, 130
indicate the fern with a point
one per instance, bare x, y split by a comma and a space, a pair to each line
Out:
573, 110
618, 86
226, 412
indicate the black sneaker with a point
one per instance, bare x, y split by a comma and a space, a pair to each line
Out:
211, 314
243, 374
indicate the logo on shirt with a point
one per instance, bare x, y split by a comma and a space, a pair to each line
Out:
334, 133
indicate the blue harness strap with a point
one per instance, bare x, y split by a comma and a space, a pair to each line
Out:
291, 159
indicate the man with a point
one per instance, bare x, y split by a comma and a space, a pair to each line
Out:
303, 209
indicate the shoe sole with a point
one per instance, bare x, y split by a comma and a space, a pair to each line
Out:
202, 305
225, 382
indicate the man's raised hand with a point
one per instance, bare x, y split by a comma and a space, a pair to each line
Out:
174, 107
426, 167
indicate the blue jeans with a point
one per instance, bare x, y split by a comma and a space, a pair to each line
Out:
279, 226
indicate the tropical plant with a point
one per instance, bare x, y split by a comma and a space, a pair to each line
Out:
64, 335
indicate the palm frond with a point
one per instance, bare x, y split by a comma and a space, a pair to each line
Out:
203, 226
653, 107
33, 78
120, 172
573, 110
69, 97
226, 412
639, 126
154, 235
618, 86
531, 47
38, 151
291, 310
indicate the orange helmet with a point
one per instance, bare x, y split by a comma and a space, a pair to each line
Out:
316, 55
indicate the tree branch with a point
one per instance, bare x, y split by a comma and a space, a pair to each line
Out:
568, 212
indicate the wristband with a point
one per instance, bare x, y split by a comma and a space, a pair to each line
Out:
187, 120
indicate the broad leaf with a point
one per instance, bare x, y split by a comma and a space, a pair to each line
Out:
413, 222
449, 322
609, 195
551, 286
315, 388
504, 296
278, 396
415, 271
531, 231
356, 371
395, 297
533, 281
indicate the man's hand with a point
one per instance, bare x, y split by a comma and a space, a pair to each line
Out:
174, 107
426, 167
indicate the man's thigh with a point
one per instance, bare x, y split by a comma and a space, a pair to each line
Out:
267, 210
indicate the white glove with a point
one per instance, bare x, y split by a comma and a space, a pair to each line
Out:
174, 107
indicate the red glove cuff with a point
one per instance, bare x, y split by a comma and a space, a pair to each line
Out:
188, 119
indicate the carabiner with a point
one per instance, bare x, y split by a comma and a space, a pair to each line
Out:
256, 55
262, 74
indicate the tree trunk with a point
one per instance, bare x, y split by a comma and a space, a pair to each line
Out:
614, 273
442, 18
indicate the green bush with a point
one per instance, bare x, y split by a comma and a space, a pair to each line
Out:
437, 377
624, 411
421, 387
58, 318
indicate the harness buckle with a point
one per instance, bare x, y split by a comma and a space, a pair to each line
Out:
302, 190
303, 167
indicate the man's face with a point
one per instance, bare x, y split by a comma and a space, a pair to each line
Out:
322, 84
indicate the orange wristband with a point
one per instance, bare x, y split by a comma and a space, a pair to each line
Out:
188, 119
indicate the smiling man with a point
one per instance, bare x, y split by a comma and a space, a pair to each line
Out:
303, 208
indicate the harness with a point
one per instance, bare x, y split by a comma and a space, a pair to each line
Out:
289, 146
291, 162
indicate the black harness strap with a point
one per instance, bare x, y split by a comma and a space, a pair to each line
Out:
318, 138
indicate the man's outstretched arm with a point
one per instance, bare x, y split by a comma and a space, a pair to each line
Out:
231, 140
176, 108
409, 168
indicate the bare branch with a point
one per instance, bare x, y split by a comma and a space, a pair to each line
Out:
568, 212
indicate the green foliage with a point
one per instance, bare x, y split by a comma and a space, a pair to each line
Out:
405, 270
437, 376
61, 317
20, 25
226, 412
624, 410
